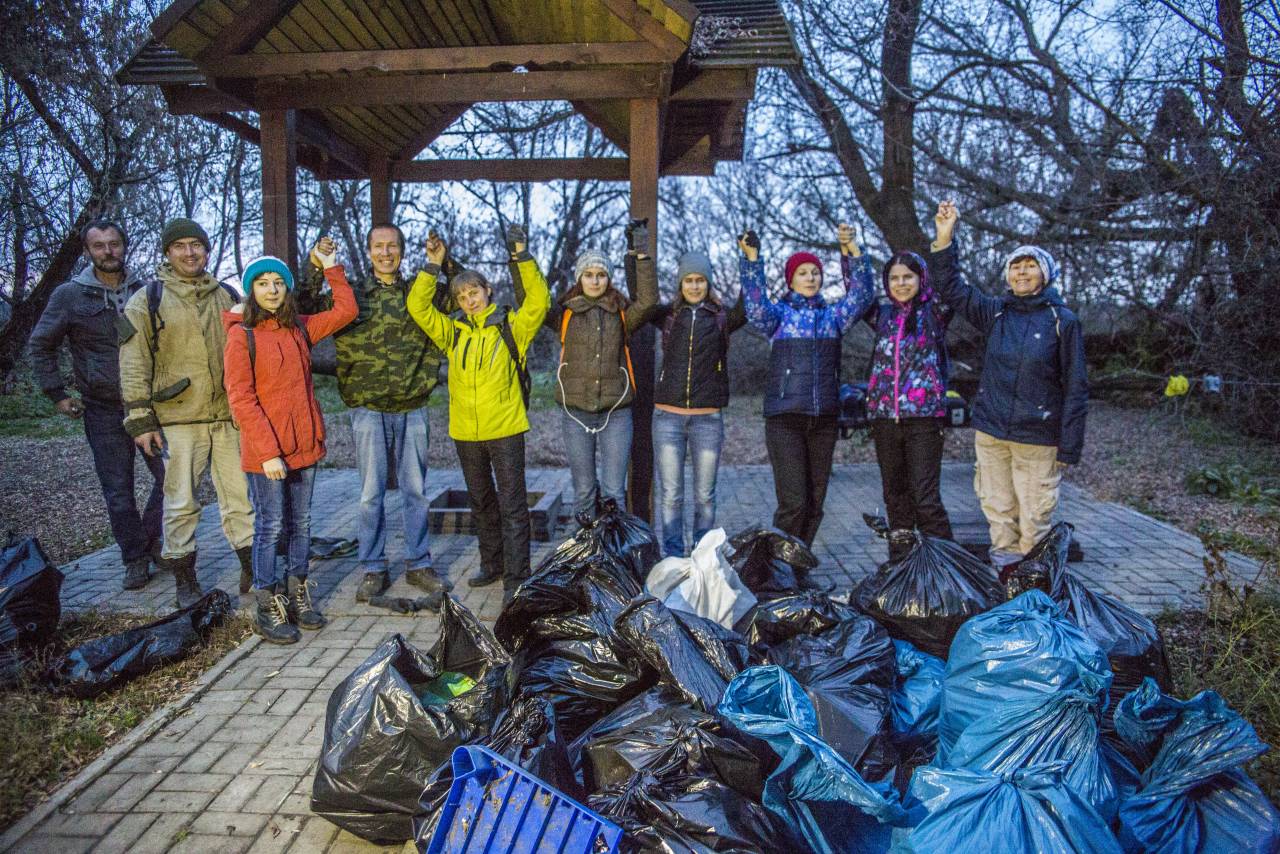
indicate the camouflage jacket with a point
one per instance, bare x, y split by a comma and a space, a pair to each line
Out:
385, 361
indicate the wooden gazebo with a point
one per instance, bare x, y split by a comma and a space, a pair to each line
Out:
357, 90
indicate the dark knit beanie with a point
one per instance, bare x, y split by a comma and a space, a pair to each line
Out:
180, 229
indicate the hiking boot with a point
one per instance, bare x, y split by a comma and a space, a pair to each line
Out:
425, 578
373, 584
184, 578
136, 575
271, 618
484, 577
245, 553
302, 613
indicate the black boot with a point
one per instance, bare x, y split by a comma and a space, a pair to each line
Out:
135, 573
484, 577
245, 553
373, 584
271, 619
900, 542
425, 578
184, 578
302, 612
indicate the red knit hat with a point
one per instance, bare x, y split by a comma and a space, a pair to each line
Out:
801, 258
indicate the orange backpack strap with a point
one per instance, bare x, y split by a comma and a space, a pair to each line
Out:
564, 330
631, 372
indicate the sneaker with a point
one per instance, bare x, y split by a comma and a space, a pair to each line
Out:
373, 584
425, 578
302, 612
271, 618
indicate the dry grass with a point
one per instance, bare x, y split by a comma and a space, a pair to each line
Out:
46, 739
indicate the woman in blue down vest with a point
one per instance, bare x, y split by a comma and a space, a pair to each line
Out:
802, 392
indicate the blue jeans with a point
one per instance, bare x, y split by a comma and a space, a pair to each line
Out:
113, 456
613, 445
699, 438
281, 509
382, 437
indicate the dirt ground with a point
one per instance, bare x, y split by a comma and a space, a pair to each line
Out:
1135, 456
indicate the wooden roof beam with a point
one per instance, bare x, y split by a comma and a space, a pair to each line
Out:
650, 28
417, 60
313, 159
420, 140
382, 90
513, 169
592, 113
245, 30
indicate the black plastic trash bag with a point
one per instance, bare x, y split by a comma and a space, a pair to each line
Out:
1024, 650
107, 662
613, 531
560, 627
916, 698
848, 672
769, 562
725, 649
526, 734
926, 595
652, 632
808, 613
678, 779
1131, 641
1029, 810
29, 589
1194, 795
383, 740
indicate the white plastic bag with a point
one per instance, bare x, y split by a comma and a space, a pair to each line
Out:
703, 584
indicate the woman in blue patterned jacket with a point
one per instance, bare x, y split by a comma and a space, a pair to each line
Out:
802, 392
906, 400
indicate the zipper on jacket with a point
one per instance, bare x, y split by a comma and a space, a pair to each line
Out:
786, 375
688, 381
813, 361
897, 361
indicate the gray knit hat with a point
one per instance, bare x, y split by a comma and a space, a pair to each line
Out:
693, 262
180, 229
590, 258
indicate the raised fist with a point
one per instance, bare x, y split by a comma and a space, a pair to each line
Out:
437, 249
516, 238
324, 253
638, 236
749, 244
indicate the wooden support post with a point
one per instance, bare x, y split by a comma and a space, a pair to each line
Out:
279, 185
645, 155
379, 189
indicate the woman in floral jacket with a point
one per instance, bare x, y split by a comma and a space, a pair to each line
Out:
906, 400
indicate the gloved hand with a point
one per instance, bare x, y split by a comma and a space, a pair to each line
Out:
515, 237
638, 235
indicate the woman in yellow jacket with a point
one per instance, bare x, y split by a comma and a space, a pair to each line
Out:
486, 346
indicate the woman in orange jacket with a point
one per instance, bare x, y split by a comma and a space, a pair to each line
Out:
268, 378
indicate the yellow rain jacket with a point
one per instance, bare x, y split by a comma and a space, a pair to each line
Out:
484, 385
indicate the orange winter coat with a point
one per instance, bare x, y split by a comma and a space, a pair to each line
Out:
273, 402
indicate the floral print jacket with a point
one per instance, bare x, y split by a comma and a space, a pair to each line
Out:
909, 360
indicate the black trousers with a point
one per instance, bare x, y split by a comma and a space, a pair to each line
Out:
113, 456
502, 513
910, 456
800, 450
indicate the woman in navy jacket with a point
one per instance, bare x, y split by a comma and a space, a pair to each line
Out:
802, 392
1029, 413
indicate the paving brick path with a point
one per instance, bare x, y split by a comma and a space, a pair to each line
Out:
231, 770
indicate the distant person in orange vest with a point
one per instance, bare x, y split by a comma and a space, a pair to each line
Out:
594, 382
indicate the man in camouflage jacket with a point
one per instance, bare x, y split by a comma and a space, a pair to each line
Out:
387, 368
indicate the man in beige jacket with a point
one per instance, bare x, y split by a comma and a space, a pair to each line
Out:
172, 341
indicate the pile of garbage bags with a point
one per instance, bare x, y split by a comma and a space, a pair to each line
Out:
29, 605
721, 704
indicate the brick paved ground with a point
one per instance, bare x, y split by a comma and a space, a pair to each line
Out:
233, 770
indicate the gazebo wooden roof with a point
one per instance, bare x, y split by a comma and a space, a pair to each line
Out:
353, 89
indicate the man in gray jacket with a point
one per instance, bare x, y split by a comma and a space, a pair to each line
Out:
84, 311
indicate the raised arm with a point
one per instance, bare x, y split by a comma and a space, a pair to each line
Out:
422, 307
738, 314
642, 273
528, 317
1075, 388
344, 308
976, 307
763, 313
859, 285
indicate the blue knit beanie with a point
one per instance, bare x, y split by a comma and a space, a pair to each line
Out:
265, 264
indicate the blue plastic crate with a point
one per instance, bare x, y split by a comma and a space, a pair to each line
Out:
496, 807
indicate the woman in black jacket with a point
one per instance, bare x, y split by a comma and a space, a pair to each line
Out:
692, 389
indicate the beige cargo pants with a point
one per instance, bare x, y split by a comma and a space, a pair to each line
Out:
1017, 485
193, 448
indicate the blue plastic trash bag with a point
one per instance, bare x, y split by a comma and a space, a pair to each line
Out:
1024, 649
1193, 797
1032, 811
1063, 728
816, 793
916, 696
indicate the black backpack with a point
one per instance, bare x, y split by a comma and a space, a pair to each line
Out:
155, 290
253, 347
